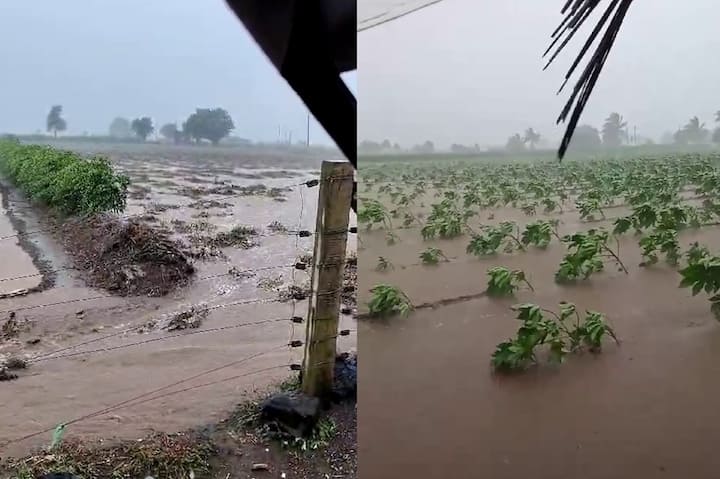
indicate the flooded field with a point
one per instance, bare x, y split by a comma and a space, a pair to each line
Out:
239, 292
432, 406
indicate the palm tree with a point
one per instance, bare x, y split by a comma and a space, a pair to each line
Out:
695, 132
532, 137
576, 12
614, 130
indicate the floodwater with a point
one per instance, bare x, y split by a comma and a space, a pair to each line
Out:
432, 408
15, 261
57, 390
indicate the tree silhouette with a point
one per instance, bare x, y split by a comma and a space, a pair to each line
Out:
515, 144
586, 138
716, 131
692, 133
716, 135
211, 124
120, 128
142, 127
426, 148
531, 137
169, 131
613, 130
55, 122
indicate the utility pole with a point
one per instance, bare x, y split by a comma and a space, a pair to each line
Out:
308, 130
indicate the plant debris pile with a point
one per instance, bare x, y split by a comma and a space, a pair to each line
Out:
189, 319
126, 257
161, 455
206, 246
239, 236
11, 328
8, 364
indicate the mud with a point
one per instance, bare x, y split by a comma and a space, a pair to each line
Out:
120, 360
432, 408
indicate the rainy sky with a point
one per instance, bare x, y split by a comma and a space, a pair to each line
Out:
101, 59
468, 71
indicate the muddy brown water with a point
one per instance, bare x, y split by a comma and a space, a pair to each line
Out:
60, 389
430, 406
16, 262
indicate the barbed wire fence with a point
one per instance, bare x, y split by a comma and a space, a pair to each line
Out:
297, 294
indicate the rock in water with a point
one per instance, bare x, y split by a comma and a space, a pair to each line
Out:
294, 413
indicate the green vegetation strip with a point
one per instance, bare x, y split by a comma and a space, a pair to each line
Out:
63, 180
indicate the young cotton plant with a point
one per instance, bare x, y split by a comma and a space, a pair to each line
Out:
373, 212
586, 254
588, 208
504, 282
493, 237
659, 242
387, 301
446, 221
383, 264
432, 256
703, 273
550, 205
696, 252
563, 333
647, 215
539, 233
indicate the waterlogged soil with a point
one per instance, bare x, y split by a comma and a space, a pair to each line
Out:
129, 348
432, 408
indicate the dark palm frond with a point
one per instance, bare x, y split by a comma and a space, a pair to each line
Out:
576, 13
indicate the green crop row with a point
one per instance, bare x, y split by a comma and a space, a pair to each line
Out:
63, 180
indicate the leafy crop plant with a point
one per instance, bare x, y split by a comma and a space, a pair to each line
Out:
587, 253
387, 301
504, 282
563, 333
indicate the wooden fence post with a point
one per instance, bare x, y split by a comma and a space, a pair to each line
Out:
331, 231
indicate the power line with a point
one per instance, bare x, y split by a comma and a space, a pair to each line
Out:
394, 17
142, 396
53, 355
230, 272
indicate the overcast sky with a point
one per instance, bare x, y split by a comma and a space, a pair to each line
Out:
101, 59
469, 71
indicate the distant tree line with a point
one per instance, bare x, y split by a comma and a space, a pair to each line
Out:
205, 124
613, 134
